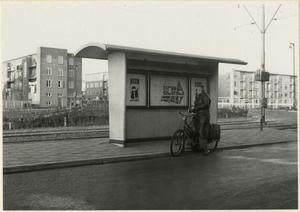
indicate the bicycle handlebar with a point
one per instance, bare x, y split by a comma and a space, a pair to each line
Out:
186, 115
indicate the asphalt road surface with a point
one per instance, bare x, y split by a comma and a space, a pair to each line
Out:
254, 178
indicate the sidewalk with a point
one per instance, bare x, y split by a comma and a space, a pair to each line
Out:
30, 156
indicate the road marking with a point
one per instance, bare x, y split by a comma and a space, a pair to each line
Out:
275, 161
52, 202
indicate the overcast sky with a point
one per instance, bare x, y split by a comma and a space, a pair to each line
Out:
193, 27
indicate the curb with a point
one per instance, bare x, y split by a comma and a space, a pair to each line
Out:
66, 164
118, 159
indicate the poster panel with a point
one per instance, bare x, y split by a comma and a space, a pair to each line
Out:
136, 90
168, 90
195, 83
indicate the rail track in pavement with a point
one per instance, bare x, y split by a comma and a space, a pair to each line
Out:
103, 132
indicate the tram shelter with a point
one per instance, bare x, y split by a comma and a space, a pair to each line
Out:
147, 89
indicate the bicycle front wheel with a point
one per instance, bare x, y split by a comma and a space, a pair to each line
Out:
177, 143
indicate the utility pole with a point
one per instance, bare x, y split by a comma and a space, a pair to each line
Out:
294, 90
262, 75
263, 31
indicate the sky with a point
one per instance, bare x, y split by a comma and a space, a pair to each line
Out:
215, 28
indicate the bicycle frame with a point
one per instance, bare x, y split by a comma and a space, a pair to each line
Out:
186, 131
187, 127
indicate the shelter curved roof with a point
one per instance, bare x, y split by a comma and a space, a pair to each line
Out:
96, 50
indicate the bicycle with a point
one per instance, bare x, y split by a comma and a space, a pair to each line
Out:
177, 145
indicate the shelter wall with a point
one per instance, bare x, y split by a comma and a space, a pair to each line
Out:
156, 118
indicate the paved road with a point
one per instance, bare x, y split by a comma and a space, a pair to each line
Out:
254, 178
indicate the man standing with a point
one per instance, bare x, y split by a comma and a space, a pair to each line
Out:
201, 119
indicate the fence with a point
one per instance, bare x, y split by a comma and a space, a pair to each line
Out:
224, 102
94, 103
8, 104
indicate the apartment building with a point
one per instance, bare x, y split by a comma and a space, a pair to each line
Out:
49, 78
238, 88
96, 87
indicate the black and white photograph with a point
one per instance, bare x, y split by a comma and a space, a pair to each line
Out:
150, 105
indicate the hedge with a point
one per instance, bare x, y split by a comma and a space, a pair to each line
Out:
232, 113
76, 117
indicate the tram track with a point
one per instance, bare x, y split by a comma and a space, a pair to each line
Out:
103, 132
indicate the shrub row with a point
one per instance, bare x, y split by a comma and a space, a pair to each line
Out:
76, 117
233, 112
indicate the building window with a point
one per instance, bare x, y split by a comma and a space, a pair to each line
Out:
71, 73
92, 85
48, 83
96, 85
60, 72
235, 84
49, 58
87, 93
49, 71
100, 84
48, 103
48, 94
71, 61
60, 60
60, 83
71, 84
60, 94
88, 85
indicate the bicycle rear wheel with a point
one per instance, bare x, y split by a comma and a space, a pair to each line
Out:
177, 143
212, 145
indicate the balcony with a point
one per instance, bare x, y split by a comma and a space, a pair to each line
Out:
31, 78
8, 69
10, 79
33, 65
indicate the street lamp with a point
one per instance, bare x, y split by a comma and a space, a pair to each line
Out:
292, 45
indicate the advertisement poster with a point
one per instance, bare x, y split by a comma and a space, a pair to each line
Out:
168, 90
195, 84
136, 89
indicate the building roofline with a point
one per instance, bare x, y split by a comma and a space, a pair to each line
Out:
97, 73
244, 71
290, 75
19, 58
36, 53
100, 51
52, 48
